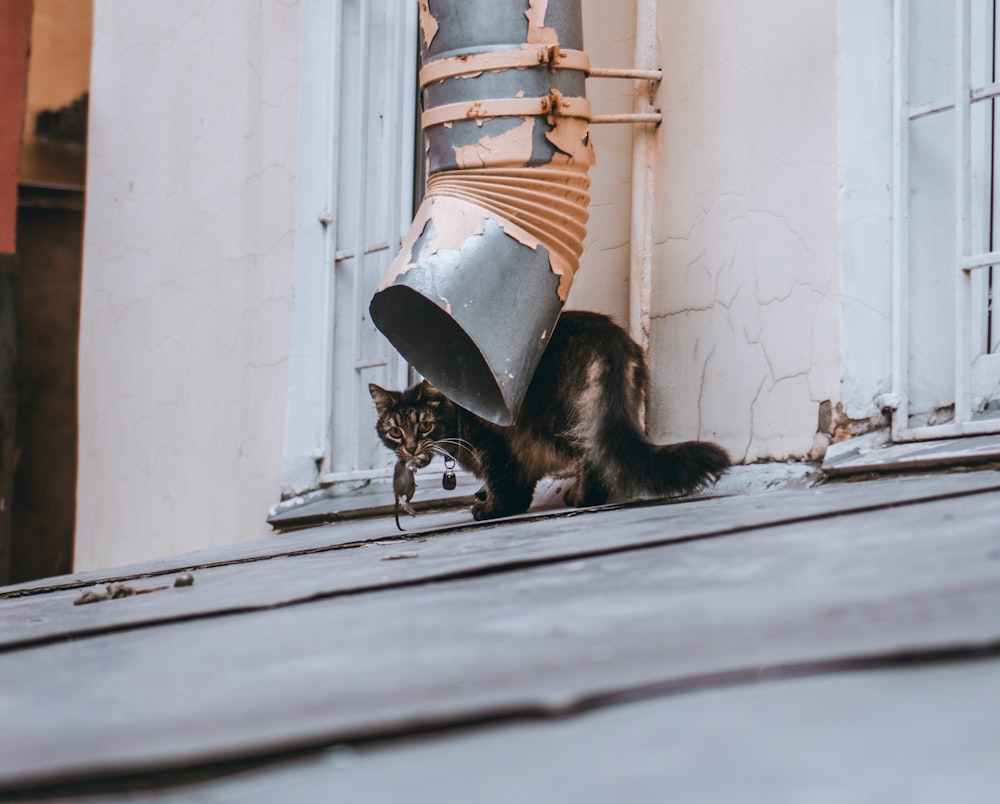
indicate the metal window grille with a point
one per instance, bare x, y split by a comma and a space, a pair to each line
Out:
946, 240
371, 203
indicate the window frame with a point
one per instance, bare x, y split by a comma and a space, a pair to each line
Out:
972, 371
312, 465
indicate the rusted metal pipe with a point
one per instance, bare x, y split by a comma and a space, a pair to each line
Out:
482, 275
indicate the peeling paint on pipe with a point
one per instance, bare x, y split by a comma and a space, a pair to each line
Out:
488, 262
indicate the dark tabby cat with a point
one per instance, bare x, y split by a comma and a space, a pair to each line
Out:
580, 417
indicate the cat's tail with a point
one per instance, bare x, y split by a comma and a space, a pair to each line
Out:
633, 466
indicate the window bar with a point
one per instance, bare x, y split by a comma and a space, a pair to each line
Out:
985, 260
993, 178
963, 210
328, 217
388, 156
898, 399
987, 92
389, 112
361, 204
393, 181
387, 90
407, 156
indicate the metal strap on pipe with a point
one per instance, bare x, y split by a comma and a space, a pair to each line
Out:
552, 105
473, 64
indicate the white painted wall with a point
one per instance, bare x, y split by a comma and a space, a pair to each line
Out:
745, 337
864, 71
602, 280
187, 275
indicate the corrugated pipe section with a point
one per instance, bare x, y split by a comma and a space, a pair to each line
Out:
489, 260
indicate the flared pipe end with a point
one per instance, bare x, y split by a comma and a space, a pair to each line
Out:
473, 320
437, 345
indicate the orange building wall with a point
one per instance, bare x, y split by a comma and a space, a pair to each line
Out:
61, 34
15, 28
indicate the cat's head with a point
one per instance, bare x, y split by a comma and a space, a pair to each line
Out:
410, 422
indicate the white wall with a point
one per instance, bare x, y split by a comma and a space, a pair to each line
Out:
602, 280
866, 156
745, 336
187, 275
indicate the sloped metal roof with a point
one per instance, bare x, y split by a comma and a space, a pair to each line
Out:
843, 638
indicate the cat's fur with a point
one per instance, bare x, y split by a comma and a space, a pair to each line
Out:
580, 417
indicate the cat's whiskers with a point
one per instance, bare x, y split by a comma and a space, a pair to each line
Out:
442, 452
456, 442
449, 454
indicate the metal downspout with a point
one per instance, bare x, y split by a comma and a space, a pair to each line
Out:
477, 288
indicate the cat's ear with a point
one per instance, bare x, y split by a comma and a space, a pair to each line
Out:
431, 395
383, 399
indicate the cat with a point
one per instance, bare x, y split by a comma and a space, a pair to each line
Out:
579, 418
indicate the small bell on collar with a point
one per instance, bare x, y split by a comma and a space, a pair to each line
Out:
449, 481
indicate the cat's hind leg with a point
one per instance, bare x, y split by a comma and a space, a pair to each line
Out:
588, 489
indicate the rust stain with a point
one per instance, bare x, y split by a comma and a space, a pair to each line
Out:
476, 112
428, 23
511, 148
538, 34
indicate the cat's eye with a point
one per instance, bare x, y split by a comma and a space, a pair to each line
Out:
425, 427
396, 433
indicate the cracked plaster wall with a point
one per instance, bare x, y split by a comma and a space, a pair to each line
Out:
187, 275
745, 336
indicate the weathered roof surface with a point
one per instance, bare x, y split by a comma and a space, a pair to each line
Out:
836, 643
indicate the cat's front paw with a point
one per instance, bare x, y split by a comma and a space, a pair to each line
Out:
494, 507
483, 509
